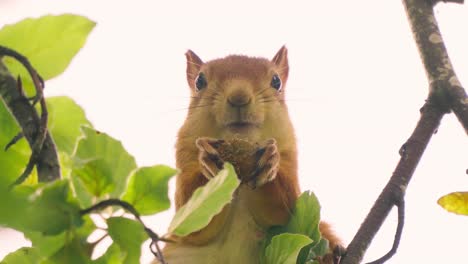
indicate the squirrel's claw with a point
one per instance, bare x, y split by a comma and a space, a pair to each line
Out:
267, 165
209, 158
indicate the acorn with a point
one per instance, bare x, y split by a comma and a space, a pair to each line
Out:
242, 154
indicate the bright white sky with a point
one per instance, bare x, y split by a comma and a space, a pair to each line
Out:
355, 88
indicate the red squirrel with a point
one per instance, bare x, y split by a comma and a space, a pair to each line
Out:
237, 97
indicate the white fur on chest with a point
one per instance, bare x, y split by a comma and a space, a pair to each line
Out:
239, 241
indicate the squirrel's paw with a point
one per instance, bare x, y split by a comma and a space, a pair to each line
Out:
267, 165
209, 158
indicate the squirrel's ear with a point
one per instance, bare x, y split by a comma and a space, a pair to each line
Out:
281, 62
194, 64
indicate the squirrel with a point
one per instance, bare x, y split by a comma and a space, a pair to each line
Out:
237, 97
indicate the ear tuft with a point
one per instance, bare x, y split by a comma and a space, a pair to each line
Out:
281, 62
194, 64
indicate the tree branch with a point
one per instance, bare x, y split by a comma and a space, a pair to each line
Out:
443, 81
445, 94
34, 129
393, 193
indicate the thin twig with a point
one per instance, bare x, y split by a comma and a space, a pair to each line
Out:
398, 233
14, 140
37, 79
154, 242
99, 240
129, 208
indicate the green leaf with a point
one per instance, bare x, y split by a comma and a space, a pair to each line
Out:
65, 121
74, 252
128, 235
47, 245
101, 166
13, 161
205, 203
14, 205
54, 209
96, 176
320, 249
456, 202
49, 42
66, 164
305, 220
306, 216
285, 248
23, 255
147, 189
50, 245
113, 255
86, 229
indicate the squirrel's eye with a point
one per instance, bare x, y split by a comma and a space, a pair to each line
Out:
276, 82
200, 82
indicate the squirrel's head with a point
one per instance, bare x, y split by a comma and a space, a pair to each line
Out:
238, 96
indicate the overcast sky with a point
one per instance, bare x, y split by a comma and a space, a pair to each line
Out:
354, 92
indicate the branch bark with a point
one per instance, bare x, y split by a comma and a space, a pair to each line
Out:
445, 94
443, 82
48, 168
393, 193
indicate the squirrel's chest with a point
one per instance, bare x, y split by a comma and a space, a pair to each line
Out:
239, 241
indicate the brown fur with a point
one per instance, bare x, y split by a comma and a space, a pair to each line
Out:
209, 115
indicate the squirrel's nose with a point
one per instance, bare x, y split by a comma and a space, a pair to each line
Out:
238, 98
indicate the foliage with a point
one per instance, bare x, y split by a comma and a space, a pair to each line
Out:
66, 128
304, 223
49, 42
22, 256
101, 166
97, 167
128, 235
285, 248
144, 187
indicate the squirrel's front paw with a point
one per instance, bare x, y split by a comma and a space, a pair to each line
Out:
209, 158
267, 164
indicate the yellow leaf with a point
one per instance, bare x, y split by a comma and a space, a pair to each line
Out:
456, 202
